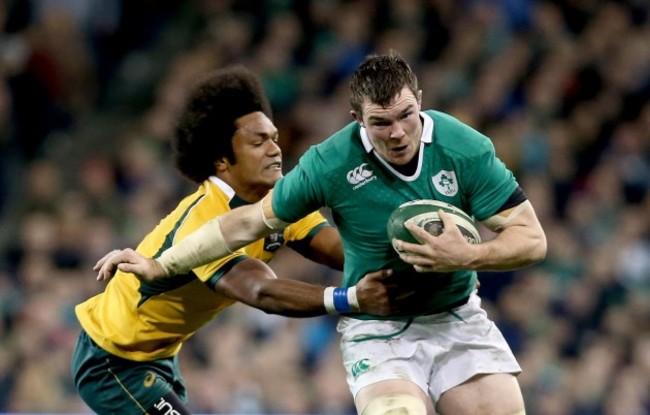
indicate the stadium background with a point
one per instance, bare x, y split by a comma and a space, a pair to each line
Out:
88, 94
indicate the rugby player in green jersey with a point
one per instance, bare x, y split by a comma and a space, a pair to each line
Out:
125, 361
444, 354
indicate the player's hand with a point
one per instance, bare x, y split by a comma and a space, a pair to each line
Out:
381, 295
446, 252
127, 260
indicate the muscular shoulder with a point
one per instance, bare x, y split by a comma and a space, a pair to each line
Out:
457, 139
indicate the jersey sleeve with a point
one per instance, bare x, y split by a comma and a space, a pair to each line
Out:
490, 182
305, 228
214, 270
296, 195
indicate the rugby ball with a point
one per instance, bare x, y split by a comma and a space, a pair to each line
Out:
424, 213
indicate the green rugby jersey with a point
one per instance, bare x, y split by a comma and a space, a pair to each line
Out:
456, 165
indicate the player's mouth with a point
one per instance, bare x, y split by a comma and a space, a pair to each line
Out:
399, 151
275, 166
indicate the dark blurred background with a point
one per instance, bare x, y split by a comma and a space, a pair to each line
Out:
89, 92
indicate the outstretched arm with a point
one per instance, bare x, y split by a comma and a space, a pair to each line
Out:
216, 239
252, 282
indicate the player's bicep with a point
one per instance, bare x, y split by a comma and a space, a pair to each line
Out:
522, 214
244, 281
326, 248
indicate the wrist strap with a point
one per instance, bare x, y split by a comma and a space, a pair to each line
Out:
328, 300
340, 300
352, 299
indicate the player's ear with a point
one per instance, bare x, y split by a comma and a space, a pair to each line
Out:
221, 165
357, 117
419, 97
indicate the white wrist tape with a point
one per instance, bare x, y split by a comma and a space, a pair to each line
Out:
328, 300
271, 223
353, 300
204, 245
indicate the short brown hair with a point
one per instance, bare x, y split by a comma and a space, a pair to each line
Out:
379, 79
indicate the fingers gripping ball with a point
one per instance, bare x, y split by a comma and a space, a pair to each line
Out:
424, 213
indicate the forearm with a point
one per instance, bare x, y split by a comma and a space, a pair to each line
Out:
288, 298
216, 239
511, 249
297, 299
252, 282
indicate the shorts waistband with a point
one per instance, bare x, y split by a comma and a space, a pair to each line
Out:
443, 315
448, 308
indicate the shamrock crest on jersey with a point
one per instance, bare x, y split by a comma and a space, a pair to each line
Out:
445, 182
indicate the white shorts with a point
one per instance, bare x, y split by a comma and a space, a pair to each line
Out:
435, 352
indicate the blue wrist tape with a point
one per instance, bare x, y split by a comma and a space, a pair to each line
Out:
341, 300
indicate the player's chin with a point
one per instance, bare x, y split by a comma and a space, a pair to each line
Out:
399, 158
272, 175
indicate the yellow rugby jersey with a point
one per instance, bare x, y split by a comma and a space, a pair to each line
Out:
145, 321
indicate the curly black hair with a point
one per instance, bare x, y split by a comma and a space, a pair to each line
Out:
207, 125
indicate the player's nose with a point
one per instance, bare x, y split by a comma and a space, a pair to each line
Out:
396, 131
273, 148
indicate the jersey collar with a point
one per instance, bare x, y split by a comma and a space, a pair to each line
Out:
427, 132
229, 191
234, 201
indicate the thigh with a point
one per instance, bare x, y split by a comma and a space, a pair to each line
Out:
494, 394
464, 348
112, 385
382, 359
378, 351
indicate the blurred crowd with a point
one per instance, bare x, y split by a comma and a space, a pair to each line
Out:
89, 93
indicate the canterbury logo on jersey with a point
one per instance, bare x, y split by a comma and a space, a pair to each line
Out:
359, 367
360, 176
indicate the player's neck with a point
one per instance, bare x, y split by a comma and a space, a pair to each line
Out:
248, 193
251, 194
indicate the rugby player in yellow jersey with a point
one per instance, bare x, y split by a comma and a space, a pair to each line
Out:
125, 360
